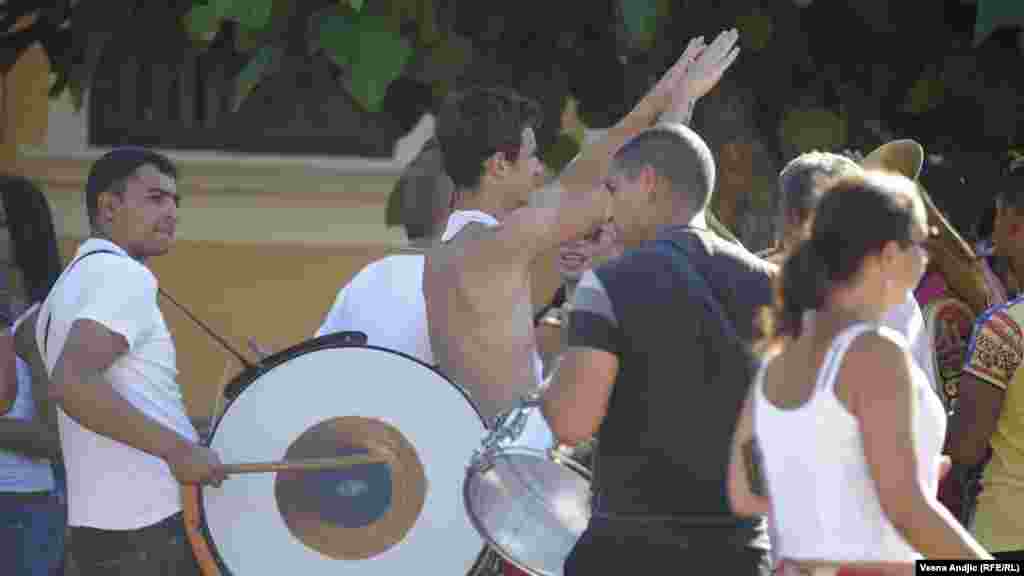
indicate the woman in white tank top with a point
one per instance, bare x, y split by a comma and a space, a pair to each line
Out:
848, 434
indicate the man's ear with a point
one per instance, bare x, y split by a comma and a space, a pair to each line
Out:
496, 166
649, 181
106, 202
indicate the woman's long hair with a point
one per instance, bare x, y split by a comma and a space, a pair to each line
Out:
33, 237
857, 216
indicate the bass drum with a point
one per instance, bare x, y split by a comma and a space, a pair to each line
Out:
334, 396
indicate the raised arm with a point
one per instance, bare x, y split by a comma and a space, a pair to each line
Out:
577, 202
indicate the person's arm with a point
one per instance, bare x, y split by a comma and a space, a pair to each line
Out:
8, 372
747, 496
875, 380
993, 357
577, 399
38, 438
577, 202
101, 334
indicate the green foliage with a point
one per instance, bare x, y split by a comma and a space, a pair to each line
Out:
994, 14
368, 47
266, 61
641, 18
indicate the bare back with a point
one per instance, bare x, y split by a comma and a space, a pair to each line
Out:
479, 310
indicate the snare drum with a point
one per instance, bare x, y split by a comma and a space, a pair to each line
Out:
531, 505
331, 397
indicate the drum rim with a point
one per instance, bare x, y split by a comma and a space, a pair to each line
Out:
473, 470
249, 375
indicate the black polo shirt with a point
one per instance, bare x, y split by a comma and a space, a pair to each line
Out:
663, 447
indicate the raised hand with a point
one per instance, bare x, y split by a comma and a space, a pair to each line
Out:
660, 97
707, 68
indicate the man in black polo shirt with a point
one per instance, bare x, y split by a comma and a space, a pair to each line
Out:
658, 365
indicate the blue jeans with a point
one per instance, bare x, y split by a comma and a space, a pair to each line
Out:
32, 532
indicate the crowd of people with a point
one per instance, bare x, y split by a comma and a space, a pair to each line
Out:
835, 404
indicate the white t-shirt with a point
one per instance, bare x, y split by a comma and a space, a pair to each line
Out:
111, 485
20, 473
907, 319
384, 300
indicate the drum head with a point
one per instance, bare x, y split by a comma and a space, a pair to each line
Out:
531, 509
324, 399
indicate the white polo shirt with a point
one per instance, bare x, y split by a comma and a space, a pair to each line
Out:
385, 301
111, 485
907, 319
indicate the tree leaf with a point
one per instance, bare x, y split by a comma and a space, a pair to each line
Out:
641, 19
201, 23
382, 55
252, 14
356, 5
266, 60
994, 14
367, 46
337, 35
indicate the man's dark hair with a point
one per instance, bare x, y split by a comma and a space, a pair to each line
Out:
114, 167
677, 154
475, 124
423, 190
799, 193
33, 238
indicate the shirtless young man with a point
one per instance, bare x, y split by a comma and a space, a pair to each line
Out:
476, 282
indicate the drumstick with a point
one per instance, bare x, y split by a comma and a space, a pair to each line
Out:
309, 464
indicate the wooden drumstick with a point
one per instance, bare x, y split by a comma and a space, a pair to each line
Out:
308, 464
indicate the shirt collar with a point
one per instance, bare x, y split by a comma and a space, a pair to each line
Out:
94, 243
460, 218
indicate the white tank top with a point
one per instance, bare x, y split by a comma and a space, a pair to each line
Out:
825, 503
20, 473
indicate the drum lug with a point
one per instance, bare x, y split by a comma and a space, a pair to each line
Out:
482, 461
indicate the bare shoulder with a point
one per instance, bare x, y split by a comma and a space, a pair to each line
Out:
876, 365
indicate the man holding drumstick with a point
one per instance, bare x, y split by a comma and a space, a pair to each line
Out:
126, 439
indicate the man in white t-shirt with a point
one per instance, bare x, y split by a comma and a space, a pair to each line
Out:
384, 300
126, 439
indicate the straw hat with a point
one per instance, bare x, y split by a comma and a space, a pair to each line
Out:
906, 157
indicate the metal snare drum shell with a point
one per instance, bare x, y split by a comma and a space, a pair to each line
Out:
530, 508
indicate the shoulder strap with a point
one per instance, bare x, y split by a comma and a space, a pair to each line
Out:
681, 263
49, 315
834, 356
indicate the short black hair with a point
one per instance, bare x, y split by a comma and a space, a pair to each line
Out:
33, 237
475, 124
110, 171
676, 153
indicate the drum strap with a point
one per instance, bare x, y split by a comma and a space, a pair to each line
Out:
245, 361
698, 287
49, 316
